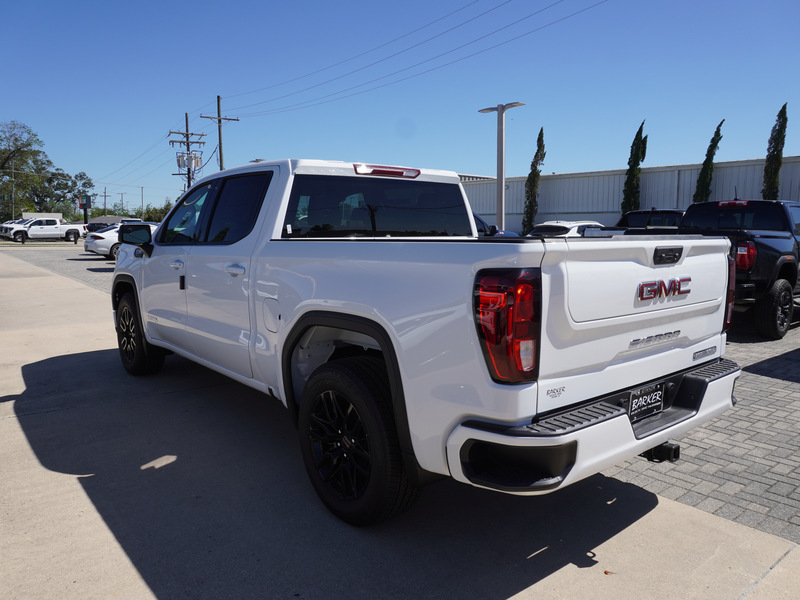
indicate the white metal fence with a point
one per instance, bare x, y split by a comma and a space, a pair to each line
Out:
598, 195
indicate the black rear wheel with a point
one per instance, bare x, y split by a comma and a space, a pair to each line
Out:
774, 312
349, 442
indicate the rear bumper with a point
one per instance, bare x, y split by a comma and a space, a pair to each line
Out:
563, 448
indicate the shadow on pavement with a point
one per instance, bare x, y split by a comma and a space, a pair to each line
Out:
743, 327
201, 482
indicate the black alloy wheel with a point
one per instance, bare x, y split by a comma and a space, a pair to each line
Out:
349, 442
774, 312
137, 355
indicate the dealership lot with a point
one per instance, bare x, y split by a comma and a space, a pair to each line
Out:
189, 485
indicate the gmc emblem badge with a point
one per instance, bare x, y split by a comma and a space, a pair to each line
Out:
652, 290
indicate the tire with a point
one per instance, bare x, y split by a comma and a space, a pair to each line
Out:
19, 237
71, 236
114, 251
137, 355
349, 442
774, 312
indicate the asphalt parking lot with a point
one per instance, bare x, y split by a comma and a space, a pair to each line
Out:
743, 467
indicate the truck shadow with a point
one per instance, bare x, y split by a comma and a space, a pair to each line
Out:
743, 327
201, 482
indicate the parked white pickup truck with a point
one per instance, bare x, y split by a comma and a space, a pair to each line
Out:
56, 229
406, 347
47, 228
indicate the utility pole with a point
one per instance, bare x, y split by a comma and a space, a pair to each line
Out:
219, 119
122, 200
105, 198
191, 159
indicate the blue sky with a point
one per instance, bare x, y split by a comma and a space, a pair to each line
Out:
103, 83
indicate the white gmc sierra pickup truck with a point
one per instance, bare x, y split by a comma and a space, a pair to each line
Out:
406, 347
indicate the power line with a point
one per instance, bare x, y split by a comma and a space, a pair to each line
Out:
352, 58
377, 62
327, 98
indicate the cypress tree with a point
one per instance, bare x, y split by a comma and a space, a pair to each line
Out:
532, 185
630, 193
772, 166
702, 191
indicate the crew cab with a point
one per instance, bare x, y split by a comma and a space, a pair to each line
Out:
406, 347
48, 228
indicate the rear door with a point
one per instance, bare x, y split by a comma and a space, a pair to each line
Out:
218, 275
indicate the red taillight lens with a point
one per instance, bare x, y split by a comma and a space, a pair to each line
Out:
507, 313
731, 292
746, 255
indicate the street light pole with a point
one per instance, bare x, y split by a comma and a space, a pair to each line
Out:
501, 109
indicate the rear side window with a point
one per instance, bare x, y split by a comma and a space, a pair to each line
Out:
237, 207
764, 216
323, 206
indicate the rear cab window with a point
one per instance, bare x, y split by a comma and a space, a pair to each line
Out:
322, 206
763, 216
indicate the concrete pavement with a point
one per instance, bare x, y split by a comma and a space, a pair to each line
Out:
188, 485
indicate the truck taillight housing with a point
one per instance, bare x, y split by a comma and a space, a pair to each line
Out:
746, 254
508, 316
731, 293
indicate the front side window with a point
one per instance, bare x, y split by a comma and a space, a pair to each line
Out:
184, 225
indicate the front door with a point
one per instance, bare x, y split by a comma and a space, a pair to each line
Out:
163, 294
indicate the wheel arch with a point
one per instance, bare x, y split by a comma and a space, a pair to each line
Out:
787, 269
341, 333
122, 285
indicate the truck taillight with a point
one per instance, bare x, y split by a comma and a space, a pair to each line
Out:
731, 293
508, 317
746, 255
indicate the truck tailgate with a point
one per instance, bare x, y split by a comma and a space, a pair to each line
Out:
621, 314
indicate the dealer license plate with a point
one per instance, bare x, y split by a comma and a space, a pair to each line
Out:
646, 401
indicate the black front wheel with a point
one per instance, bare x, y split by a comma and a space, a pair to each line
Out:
138, 356
349, 442
774, 312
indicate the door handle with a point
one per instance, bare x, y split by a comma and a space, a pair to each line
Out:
234, 270
176, 264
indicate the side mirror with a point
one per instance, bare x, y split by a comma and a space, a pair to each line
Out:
137, 234
492, 230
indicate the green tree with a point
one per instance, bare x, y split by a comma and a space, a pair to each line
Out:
23, 166
772, 166
29, 182
630, 193
156, 214
702, 191
532, 185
